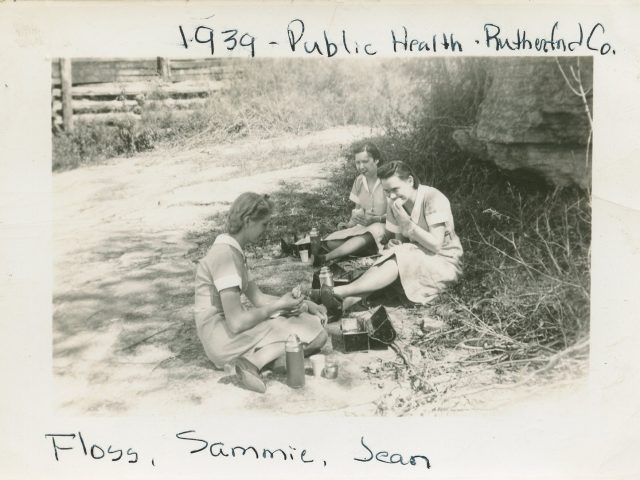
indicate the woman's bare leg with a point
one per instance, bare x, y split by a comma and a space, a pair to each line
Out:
333, 244
351, 245
374, 279
266, 354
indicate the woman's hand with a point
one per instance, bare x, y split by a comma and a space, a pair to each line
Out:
288, 303
370, 218
365, 218
403, 218
358, 217
319, 311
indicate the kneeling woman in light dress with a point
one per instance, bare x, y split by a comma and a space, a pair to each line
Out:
365, 231
248, 338
426, 252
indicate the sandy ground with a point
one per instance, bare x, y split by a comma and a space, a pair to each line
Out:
123, 335
124, 341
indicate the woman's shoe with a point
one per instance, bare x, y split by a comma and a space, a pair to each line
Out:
319, 260
330, 300
314, 296
288, 244
249, 376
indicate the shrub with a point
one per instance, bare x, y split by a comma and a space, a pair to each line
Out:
527, 245
271, 97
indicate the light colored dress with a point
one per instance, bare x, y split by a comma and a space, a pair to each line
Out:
374, 202
225, 266
424, 274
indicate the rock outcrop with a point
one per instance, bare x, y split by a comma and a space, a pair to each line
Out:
531, 120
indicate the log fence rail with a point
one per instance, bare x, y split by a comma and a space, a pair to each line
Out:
107, 90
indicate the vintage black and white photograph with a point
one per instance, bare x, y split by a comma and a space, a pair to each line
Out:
283, 236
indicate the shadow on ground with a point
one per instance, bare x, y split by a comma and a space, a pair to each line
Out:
124, 340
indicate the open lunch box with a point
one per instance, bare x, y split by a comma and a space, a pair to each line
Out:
358, 331
361, 332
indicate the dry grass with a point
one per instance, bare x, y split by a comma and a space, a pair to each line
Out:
519, 317
274, 97
517, 320
520, 313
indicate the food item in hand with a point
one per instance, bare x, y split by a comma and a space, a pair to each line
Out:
297, 291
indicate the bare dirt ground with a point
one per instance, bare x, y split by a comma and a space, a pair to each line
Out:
123, 335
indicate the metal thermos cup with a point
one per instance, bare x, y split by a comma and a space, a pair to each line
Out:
330, 369
295, 362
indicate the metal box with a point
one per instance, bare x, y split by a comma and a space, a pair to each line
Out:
362, 334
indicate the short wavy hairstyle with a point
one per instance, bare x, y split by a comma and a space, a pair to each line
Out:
367, 147
248, 206
400, 169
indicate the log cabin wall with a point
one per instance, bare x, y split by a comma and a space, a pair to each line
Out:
107, 90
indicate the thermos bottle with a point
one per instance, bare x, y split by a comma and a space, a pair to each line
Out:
326, 277
314, 240
295, 362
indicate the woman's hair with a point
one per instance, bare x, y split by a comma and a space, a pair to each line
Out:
248, 205
367, 147
400, 169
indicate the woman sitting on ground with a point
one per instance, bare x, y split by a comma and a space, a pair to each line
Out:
425, 253
365, 231
248, 339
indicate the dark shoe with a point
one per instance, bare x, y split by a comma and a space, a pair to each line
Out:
249, 376
286, 248
330, 300
319, 260
288, 244
314, 296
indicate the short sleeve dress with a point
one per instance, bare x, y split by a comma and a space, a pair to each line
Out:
225, 266
374, 202
423, 273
